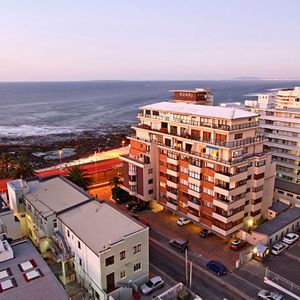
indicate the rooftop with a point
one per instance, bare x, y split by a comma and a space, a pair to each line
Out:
55, 195
282, 220
36, 282
3, 206
287, 186
100, 225
201, 110
279, 207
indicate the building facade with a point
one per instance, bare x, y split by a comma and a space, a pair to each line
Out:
202, 162
86, 236
281, 125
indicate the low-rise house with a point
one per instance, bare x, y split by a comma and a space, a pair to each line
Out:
97, 245
25, 275
287, 192
276, 209
110, 250
9, 225
275, 229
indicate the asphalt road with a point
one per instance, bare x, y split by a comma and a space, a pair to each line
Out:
171, 266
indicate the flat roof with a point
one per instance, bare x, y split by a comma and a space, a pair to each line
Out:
201, 110
99, 225
287, 186
54, 195
46, 287
279, 222
279, 207
3, 206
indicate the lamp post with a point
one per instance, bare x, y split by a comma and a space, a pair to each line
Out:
191, 269
60, 155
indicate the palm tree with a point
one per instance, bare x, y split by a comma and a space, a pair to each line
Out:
78, 176
115, 181
22, 168
5, 164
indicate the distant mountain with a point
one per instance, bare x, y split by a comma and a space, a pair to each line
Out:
247, 78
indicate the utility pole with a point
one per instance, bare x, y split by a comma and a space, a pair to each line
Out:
186, 266
191, 273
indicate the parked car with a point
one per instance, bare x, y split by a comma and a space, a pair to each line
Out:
237, 244
152, 285
279, 247
135, 217
180, 245
291, 238
266, 295
204, 233
183, 221
130, 205
217, 267
139, 207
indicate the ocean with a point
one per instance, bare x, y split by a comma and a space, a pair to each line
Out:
31, 109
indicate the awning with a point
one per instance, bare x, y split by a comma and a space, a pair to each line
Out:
213, 148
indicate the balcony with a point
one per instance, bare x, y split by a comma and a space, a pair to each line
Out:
172, 184
172, 206
228, 218
225, 144
227, 204
193, 217
171, 195
194, 205
140, 162
172, 173
172, 161
227, 232
201, 124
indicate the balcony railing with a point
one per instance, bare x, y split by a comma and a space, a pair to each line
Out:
233, 144
138, 160
202, 124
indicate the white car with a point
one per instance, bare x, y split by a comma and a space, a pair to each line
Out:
152, 285
291, 238
278, 248
266, 295
183, 221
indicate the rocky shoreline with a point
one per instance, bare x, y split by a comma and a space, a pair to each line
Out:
80, 145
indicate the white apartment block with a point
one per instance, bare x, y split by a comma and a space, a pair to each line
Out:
97, 245
281, 125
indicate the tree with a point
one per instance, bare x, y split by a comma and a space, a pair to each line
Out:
5, 164
22, 168
115, 181
78, 176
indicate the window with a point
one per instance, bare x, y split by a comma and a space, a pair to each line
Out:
122, 274
194, 187
260, 163
137, 248
150, 192
150, 171
208, 178
259, 176
184, 170
68, 232
109, 260
238, 136
150, 181
208, 191
78, 245
209, 165
55, 223
122, 255
289, 194
195, 175
80, 261
137, 267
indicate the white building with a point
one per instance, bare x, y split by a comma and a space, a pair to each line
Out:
281, 125
96, 244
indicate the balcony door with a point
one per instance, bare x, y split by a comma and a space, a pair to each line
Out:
110, 282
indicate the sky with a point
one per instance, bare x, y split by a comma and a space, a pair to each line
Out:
148, 39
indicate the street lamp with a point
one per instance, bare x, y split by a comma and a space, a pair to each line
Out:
191, 269
123, 143
60, 155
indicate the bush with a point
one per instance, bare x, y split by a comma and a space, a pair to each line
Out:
119, 195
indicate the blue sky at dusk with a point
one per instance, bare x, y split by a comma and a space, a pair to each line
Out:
153, 39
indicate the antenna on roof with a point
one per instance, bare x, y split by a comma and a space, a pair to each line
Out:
232, 113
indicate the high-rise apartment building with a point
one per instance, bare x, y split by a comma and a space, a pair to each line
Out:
203, 162
288, 98
281, 125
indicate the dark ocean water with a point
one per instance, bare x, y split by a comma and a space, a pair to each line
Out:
42, 108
